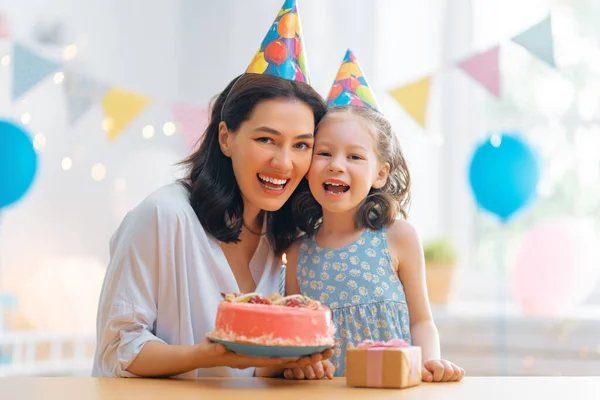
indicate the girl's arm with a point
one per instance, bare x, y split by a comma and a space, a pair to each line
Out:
406, 251
407, 254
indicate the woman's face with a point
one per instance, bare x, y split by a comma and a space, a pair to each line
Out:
271, 151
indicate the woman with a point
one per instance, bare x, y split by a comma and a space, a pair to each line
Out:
219, 230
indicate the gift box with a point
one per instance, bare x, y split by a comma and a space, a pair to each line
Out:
391, 364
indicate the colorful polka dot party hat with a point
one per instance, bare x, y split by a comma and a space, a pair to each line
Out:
351, 87
282, 52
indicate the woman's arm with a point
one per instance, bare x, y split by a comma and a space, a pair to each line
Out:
127, 345
161, 359
127, 308
291, 280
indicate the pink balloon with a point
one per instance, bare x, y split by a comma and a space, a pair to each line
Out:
556, 267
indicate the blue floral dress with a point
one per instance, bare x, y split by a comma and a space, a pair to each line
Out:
358, 283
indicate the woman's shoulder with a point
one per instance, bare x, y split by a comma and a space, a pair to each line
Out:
166, 205
172, 198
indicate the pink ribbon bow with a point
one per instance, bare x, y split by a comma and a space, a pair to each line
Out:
369, 344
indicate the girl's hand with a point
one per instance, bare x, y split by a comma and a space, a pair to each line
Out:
211, 354
299, 365
441, 371
317, 370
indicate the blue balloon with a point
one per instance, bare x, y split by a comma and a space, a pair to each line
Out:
504, 174
343, 99
287, 69
271, 70
288, 4
18, 163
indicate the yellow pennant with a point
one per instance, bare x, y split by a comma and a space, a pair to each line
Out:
120, 108
413, 97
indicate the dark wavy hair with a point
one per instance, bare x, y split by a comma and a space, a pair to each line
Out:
381, 206
214, 192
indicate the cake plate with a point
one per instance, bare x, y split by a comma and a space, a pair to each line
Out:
256, 350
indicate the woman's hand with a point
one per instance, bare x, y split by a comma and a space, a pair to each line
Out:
211, 354
441, 371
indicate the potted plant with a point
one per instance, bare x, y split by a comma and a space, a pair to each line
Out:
440, 263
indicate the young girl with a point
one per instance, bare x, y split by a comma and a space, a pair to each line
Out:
357, 257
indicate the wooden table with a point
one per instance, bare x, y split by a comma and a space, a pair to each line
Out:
270, 389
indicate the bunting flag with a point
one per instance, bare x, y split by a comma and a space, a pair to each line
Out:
485, 68
29, 70
81, 93
538, 40
414, 98
120, 108
192, 121
50, 33
4, 30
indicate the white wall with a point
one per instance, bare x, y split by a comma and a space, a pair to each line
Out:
188, 50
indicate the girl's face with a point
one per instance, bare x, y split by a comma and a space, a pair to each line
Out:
270, 152
345, 164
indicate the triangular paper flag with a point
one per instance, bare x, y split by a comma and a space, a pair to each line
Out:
192, 121
538, 41
413, 97
81, 92
4, 29
120, 108
28, 70
484, 68
50, 33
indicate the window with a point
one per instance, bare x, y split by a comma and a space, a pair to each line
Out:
557, 110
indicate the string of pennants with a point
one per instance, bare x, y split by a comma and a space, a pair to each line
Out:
482, 67
121, 106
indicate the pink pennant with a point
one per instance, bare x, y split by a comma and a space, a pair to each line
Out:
192, 121
4, 31
484, 68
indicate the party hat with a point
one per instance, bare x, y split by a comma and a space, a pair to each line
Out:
281, 53
351, 87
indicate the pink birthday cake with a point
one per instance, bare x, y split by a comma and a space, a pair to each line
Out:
295, 321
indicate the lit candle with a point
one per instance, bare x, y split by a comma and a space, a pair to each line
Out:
282, 275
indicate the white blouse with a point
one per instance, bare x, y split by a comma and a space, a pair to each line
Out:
164, 283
